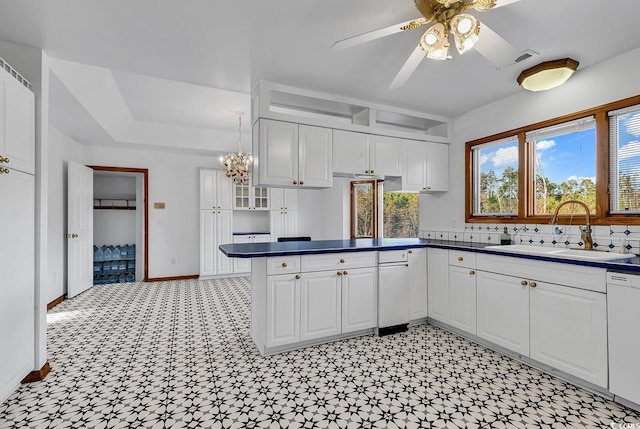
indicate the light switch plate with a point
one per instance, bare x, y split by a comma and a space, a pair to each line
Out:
158, 205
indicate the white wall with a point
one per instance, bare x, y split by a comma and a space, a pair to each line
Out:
323, 214
602, 83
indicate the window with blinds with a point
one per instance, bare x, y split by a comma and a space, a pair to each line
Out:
495, 181
564, 165
624, 160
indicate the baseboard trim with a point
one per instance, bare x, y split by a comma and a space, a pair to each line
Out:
55, 302
37, 375
166, 279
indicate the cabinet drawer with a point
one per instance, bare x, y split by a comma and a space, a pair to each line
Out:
462, 259
283, 265
334, 261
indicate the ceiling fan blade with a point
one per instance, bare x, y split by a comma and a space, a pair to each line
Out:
376, 34
500, 3
494, 48
408, 68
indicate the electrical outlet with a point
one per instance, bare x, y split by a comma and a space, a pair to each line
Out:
453, 223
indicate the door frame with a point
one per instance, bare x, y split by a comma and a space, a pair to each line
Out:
145, 206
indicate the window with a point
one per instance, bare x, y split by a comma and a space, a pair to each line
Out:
394, 215
496, 187
523, 175
564, 165
624, 158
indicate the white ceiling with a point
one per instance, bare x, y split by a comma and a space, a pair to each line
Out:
183, 68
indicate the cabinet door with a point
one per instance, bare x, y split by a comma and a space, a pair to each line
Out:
462, 295
437, 167
290, 199
224, 235
241, 196
208, 182
315, 145
350, 152
569, 330
17, 124
208, 248
385, 155
503, 311
414, 165
224, 191
276, 227
320, 303
278, 149
283, 310
417, 284
260, 198
290, 223
241, 265
438, 284
359, 299
17, 268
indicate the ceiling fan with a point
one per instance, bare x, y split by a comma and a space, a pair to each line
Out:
448, 16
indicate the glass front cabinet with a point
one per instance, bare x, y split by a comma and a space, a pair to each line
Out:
247, 197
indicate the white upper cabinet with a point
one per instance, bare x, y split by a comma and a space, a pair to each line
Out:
291, 155
248, 197
17, 125
216, 191
425, 166
284, 199
358, 153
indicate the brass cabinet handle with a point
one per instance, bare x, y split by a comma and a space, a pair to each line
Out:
428, 187
302, 182
342, 261
410, 252
533, 284
345, 273
297, 276
523, 283
295, 182
339, 273
284, 265
4, 159
373, 171
424, 189
472, 272
4, 170
460, 258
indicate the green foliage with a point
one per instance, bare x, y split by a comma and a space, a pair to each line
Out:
401, 214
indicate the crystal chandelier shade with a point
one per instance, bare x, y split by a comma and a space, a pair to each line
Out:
238, 164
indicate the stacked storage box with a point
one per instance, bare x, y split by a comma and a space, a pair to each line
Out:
114, 264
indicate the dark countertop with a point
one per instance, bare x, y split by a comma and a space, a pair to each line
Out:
258, 250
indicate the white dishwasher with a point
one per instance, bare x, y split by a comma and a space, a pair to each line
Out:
623, 301
393, 291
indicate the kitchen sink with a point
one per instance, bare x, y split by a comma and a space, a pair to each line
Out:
580, 254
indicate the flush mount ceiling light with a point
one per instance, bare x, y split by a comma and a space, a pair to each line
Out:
547, 75
238, 164
447, 18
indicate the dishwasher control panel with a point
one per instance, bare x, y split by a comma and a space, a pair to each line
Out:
390, 256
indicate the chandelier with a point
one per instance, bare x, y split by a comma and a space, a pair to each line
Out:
238, 164
450, 19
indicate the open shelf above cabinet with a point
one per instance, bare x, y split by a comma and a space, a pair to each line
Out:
275, 101
113, 204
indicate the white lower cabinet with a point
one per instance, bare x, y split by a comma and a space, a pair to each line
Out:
568, 330
417, 283
560, 326
359, 299
462, 295
216, 228
320, 299
283, 310
503, 311
438, 284
243, 265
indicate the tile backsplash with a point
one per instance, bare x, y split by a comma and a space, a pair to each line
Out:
612, 238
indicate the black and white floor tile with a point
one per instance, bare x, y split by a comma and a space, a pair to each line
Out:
179, 355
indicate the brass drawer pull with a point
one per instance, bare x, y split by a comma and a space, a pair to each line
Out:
533, 284
4, 170
460, 258
339, 273
345, 273
4, 159
410, 252
284, 265
297, 276
472, 272
295, 182
342, 261
524, 283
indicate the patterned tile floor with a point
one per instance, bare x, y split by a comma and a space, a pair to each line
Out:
179, 355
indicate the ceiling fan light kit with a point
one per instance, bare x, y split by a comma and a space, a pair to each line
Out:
548, 74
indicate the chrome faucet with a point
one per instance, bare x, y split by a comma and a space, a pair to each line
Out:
585, 232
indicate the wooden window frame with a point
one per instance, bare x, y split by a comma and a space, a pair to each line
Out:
526, 213
374, 209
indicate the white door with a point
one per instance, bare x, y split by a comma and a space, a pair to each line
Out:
79, 229
350, 152
207, 242
283, 310
568, 330
359, 299
437, 165
278, 154
414, 174
385, 155
315, 156
503, 311
462, 295
417, 284
438, 280
17, 124
224, 235
320, 303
